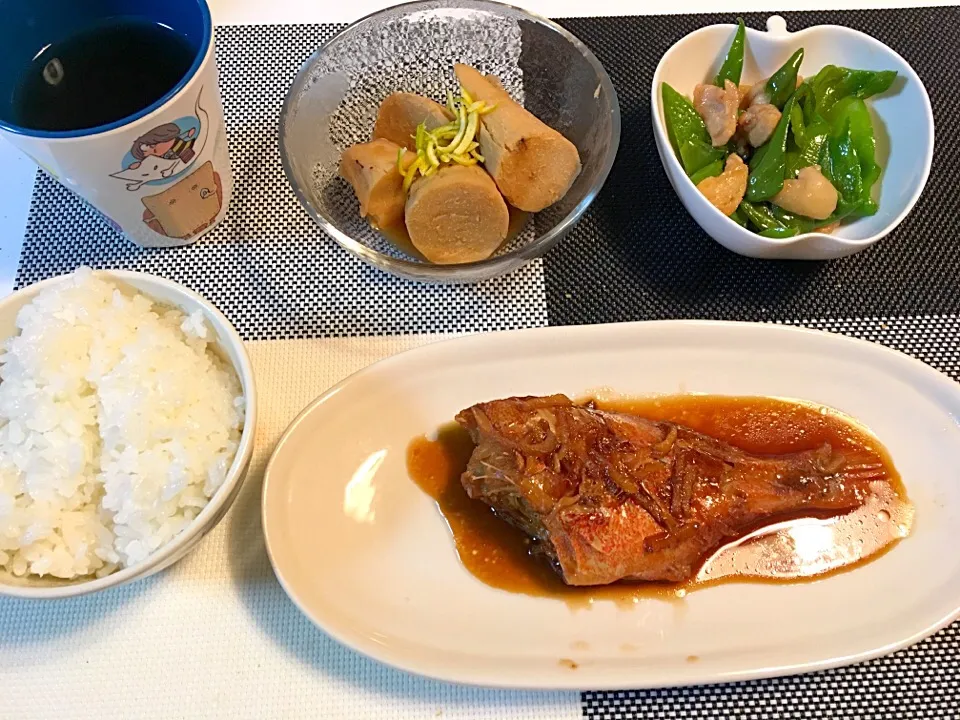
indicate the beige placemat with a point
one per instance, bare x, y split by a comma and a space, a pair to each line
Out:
215, 636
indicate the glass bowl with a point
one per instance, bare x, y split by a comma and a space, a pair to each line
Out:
334, 98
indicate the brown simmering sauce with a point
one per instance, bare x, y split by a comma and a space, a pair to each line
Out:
790, 550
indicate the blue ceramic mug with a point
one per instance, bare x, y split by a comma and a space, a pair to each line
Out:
119, 101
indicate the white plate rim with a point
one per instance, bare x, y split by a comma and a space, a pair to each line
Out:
569, 681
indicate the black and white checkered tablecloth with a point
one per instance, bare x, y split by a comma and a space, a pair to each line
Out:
636, 255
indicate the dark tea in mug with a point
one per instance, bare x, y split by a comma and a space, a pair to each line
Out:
100, 75
119, 101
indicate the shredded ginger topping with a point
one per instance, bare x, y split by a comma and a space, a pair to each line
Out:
450, 143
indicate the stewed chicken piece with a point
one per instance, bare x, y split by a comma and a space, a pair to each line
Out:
757, 123
727, 189
811, 195
718, 108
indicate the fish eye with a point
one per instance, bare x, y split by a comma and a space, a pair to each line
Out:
195, 186
173, 201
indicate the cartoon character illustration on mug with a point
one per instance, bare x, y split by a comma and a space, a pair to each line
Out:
163, 155
165, 142
188, 207
165, 151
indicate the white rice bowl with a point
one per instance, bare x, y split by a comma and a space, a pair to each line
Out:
118, 423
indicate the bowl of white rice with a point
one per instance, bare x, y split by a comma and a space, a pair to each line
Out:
127, 420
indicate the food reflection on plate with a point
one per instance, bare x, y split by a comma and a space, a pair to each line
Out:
454, 183
624, 499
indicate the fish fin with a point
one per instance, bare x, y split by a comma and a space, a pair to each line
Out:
857, 466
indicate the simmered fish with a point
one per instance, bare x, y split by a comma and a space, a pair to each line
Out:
610, 496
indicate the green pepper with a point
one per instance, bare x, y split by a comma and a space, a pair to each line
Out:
738, 218
769, 163
798, 124
794, 164
732, 67
806, 153
848, 159
854, 110
797, 222
683, 121
779, 233
805, 224
707, 171
760, 216
867, 206
809, 131
816, 136
833, 83
807, 103
775, 222
696, 154
783, 83
840, 164
863, 208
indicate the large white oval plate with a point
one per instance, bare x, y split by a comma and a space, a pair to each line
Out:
367, 556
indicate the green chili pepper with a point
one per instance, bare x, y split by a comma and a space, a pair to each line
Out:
848, 159
808, 131
732, 67
738, 218
798, 125
816, 136
833, 83
769, 164
840, 164
779, 233
759, 216
807, 102
696, 154
796, 222
793, 165
783, 83
864, 208
788, 224
773, 221
683, 121
867, 206
804, 224
801, 155
854, 110
711, 170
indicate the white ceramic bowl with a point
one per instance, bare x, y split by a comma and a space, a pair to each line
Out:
902, 117
232, 349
